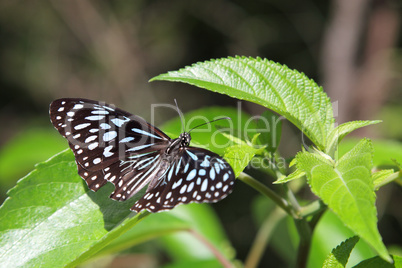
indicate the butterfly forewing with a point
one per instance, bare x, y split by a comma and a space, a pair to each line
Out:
112, 145
196, 175
106, 141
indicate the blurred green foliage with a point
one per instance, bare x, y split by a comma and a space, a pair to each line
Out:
21, 153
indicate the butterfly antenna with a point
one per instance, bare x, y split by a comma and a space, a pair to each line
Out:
222, 118
181, 116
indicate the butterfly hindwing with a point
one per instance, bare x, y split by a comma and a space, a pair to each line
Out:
197, 175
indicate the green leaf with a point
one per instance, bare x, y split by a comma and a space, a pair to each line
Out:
347, 188
239, 156
340, 255
341, 131
376, 262
297, 174
330, 232
383, 177
51, 219
267, 83
270, 127
386, 152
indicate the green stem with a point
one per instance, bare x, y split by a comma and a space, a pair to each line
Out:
312, 208
281, 202
305, 234
292, 199
262, 238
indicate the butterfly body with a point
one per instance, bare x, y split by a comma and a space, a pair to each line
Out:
112, 145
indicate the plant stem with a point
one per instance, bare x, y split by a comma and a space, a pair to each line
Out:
312, 208
305, 234
269, 193
292, 199
222, 259
263, 237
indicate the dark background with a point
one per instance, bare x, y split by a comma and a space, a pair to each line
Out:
109, 50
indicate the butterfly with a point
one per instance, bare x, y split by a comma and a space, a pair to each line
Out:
113, 145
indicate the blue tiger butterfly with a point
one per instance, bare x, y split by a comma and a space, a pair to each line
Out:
113, 145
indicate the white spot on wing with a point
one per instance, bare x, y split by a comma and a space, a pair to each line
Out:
183, 189
126, 139
107, 152
100, 112
212, 173
178, 166
177, 184
137, 148
143, 132
206, 162
193, 156
204, 185
81, 126
190, 187
93, 145
119, 122
77, 106
108, 136
186, 168
216, 165
95, 117
104, 126
90, 138
191, 175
